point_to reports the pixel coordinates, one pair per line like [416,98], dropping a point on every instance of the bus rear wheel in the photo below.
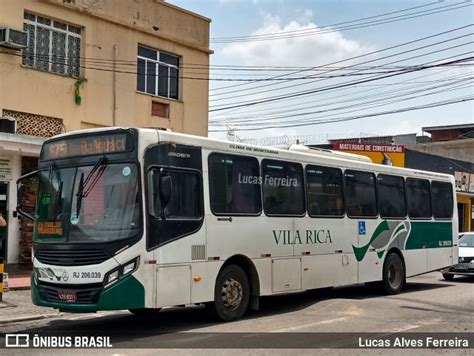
[448,277]
[393,274]
[231,294]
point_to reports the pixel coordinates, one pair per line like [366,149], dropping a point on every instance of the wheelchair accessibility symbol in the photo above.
[361,227]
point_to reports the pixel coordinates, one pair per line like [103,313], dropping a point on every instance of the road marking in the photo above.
[405,328]
[322,322]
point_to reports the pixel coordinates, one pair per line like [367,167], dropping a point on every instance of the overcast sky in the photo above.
[299,22]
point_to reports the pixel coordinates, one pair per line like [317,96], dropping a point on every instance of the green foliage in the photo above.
[77,85]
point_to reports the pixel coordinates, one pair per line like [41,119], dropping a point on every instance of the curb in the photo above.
[27,318]
[18,288]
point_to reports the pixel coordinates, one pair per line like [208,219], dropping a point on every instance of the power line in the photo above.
[46,59]
[273,116]
[372,88]
[365,105]
[333,28]
[342,61]
[302,93]
[332,25]
[389,112]
[291,108]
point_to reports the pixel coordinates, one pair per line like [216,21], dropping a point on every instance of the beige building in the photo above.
[95,63]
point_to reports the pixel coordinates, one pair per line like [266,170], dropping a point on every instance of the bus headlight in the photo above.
[112,278]
[129,267]
[122,271]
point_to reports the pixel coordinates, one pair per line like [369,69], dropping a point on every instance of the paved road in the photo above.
[429,304]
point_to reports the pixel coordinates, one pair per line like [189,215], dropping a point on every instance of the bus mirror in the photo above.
[26,193]
[165,190]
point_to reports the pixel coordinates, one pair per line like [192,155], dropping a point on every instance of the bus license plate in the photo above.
[67,296]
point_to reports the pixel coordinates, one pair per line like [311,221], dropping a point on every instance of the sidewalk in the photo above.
[18,276]
[17,307]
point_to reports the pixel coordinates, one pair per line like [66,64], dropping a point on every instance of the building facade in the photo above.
[96,63]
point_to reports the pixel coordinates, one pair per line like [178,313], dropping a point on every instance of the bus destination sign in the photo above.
[85,146]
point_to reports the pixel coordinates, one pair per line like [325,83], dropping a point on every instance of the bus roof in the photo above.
[330,157]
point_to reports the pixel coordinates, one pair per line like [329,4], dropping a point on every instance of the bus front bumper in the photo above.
[127,293]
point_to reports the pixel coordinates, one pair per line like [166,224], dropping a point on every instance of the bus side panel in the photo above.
[330,270]
[370,269]
[264,271]
[416,261]
[203,279]
[439,258]
[171,259]
[326,244]
[174,285]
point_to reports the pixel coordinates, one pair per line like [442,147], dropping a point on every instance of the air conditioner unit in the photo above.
[11,38]
[7,124]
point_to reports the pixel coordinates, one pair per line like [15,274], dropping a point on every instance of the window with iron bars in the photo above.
[53,46]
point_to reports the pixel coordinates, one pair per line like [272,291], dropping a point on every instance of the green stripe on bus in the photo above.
[422,234]
[360,252]
[429,234]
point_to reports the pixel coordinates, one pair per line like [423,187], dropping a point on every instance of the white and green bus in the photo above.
[142,219]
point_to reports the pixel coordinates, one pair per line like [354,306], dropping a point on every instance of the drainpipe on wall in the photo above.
[114,88]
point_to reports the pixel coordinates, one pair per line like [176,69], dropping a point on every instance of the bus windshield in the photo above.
[96,203]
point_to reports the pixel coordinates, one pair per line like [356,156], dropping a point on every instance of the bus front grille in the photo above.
[71,257]
[85,293]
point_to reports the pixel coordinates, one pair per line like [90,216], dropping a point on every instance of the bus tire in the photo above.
[231,294]
[145,311]
[448,277]
[393,274]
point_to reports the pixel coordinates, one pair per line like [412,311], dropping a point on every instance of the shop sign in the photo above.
[5,168]
[391,155]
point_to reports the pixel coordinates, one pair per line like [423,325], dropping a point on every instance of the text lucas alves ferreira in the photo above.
[413,342]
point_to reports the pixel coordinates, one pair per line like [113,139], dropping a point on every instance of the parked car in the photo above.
[466,258]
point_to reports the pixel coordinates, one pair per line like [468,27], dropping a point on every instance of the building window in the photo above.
[157,73]
[52,45]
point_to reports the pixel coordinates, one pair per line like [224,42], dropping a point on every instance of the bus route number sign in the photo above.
[85,146]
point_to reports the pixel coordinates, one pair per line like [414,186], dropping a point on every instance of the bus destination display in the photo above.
[85,146]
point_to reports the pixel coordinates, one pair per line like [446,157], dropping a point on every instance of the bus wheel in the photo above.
[145,311]
[393,274]
[231,294]
[448,277]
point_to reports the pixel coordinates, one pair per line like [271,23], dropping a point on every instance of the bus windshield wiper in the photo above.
[86,185]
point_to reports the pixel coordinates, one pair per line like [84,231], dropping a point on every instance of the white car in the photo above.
[466,258]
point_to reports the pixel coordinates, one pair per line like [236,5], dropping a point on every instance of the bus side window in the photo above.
[418,198]
[283,188]
[442,200]
[324,191]
[360,194]
[234,184]
[391,196]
